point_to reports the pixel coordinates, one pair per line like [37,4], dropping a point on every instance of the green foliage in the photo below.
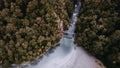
[98,30]
[28,28]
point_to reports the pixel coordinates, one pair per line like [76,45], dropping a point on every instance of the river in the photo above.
[66,54]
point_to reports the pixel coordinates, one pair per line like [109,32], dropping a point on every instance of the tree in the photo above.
[98,32]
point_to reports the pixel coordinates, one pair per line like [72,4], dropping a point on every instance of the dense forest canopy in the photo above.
[29,27]
[98,30]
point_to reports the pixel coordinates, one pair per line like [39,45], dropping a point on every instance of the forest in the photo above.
[29,27]
[98,30]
